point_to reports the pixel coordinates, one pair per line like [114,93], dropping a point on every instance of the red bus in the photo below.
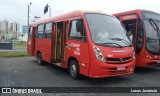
[146,35]
[88,43]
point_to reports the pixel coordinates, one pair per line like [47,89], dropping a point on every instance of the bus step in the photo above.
[57,64]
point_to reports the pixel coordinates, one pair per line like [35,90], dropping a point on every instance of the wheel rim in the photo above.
[73,70]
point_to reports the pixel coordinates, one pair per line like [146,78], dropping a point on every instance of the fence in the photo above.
[14,45]
[6,45]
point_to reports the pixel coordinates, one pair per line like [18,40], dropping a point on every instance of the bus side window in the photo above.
[140,36]
[74,34]
[40,31]
[30,32]
[48,30]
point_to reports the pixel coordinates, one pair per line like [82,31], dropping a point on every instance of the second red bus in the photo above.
[145,26]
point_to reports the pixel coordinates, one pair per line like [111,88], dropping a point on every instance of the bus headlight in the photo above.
[133,56]
[99,54]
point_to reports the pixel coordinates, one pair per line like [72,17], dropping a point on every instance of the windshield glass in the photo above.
[107,30]
[152,35]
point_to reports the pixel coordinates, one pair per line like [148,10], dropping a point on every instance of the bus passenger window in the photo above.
[74,34]
[30,32]
[40,31]
[48,30]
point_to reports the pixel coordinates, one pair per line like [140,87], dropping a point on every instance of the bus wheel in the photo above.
[74,69]
[39,59]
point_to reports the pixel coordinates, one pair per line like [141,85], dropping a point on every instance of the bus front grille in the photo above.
[118,60]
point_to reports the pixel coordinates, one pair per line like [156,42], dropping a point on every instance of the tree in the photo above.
[22,35]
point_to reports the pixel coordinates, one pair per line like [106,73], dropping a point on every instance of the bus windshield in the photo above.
[107,30]
[152,35]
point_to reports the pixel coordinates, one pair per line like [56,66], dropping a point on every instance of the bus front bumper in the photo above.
[145,62]
[103,69]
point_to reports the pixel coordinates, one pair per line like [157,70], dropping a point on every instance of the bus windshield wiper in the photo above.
[154,24]
[151,38]
[120,39]
[111,43]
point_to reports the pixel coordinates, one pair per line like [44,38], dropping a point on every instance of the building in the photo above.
[14,26]
[24,29]
[5,26]
[0,27]
[8,30]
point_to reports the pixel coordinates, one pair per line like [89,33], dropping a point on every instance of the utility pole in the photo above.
[28,15]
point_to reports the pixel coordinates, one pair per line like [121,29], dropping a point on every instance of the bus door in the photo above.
[77,45]
[58,42]
[31,41]
[130,23]
[65,31]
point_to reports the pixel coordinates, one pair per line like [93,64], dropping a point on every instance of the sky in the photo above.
[16,10]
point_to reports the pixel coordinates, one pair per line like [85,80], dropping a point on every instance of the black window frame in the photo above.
[138,49]
[78,38]
[37,35]
[45,31]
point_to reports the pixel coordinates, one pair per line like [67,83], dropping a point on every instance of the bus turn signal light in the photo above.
[152,56]
[148,56]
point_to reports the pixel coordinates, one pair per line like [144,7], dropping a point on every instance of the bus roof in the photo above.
[132,12]
[64,16]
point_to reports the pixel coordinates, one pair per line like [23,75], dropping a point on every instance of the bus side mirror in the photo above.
[79,25]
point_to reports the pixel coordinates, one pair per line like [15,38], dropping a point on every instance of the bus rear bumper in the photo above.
[102,69]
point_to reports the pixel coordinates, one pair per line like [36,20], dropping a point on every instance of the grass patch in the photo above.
[21,44]
[13,54]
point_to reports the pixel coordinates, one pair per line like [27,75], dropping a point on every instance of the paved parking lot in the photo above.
[25,72]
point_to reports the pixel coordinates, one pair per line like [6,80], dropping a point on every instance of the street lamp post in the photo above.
[28,15]
[49,11]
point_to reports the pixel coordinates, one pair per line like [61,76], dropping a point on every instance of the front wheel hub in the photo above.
[73,70]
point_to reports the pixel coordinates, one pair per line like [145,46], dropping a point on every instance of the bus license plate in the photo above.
[120,68]
[158,61]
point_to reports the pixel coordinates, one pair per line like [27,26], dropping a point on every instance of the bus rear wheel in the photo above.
[74,69]
[39,59]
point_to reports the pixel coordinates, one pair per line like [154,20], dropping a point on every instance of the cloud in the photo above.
[17,9]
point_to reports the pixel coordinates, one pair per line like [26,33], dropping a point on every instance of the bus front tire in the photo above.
[74,69]
[39,59]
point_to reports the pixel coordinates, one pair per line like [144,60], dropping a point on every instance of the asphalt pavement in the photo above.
[25,72]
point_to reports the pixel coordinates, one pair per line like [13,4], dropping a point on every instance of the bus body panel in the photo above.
[145,61]
[79,50]
[31,42]
[29,48]
[110,66]
[44,47]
